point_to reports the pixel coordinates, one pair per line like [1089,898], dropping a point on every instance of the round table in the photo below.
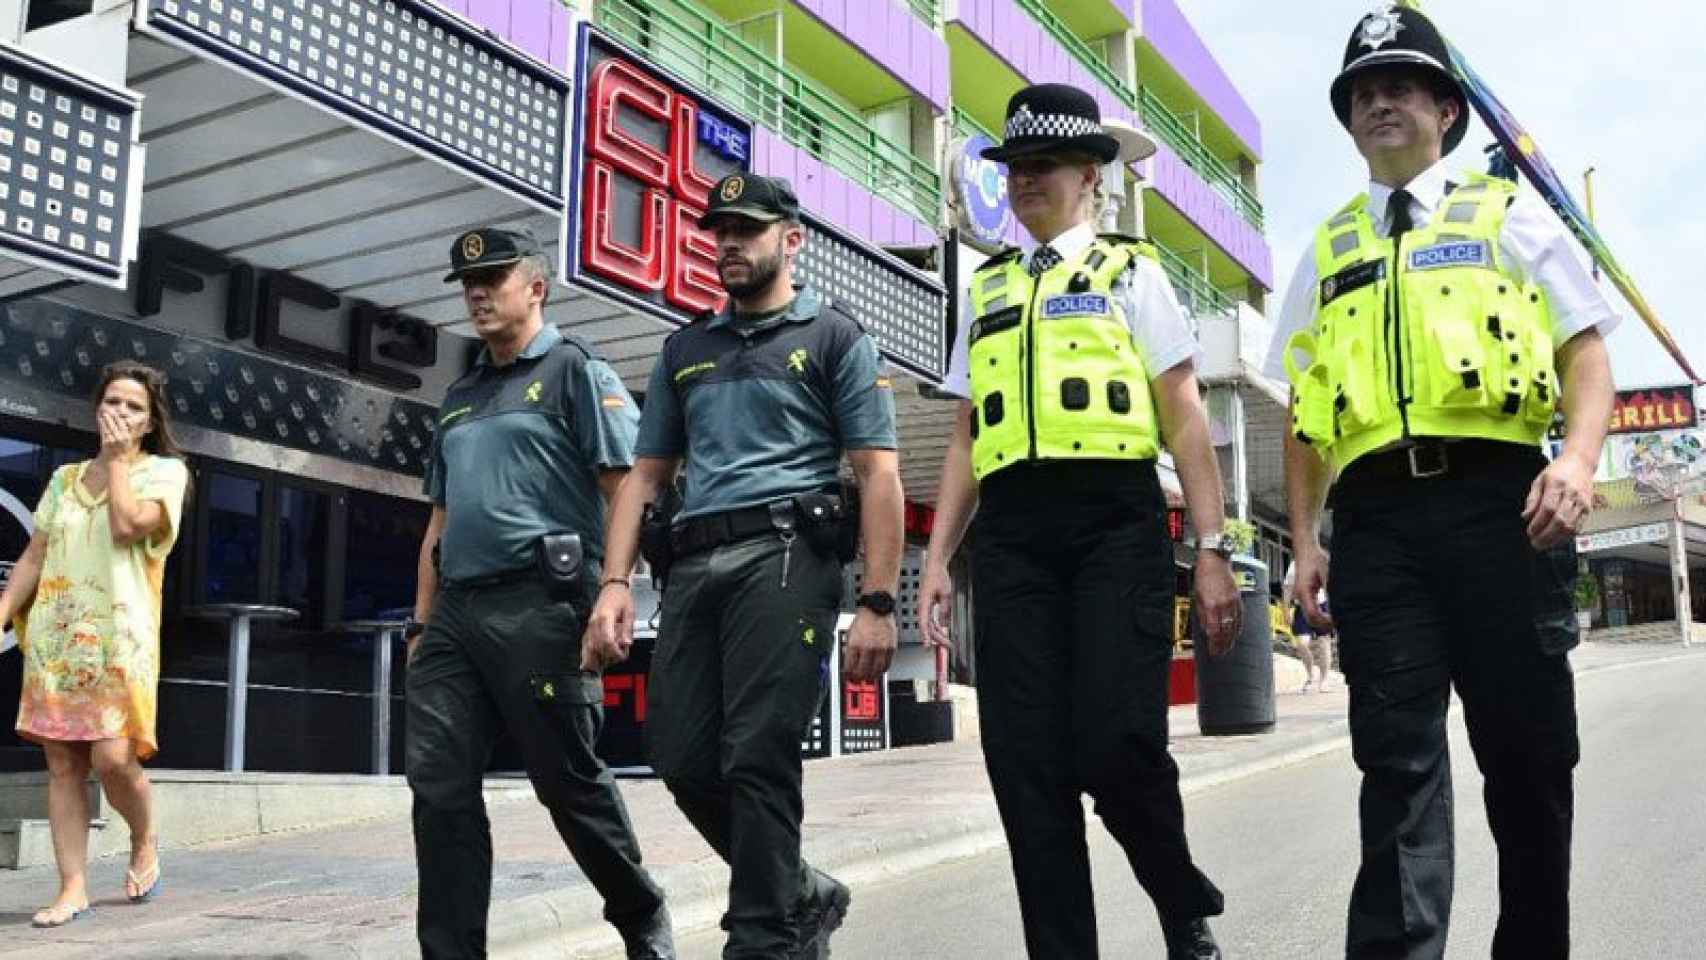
[238,617]
[387,633]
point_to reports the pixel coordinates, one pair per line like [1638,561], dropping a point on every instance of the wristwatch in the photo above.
[879,602]
[413,628]
[1215,543]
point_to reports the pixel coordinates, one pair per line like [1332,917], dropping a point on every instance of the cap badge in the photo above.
[1380,27]
[473,245]
[732,189]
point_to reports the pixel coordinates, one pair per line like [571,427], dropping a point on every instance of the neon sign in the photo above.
[649,153]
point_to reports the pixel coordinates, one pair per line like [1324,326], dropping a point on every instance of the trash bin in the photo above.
[1235,692]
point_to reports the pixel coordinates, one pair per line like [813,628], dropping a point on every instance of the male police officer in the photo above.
[1076,361]
[1428,334]
[526,443]
[762,400]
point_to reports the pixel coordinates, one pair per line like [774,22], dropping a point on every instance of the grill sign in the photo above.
[1653,409]
[649,154]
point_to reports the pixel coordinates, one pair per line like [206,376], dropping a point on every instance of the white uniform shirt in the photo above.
[1158,325]
[1532,242]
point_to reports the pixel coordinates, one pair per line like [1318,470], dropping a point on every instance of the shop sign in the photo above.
[980,193]
[647,153]
[254,306]
[1623,537]
[1653,409]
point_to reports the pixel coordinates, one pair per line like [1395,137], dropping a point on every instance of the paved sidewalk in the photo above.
[350,891]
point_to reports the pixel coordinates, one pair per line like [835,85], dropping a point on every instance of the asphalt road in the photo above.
[1282,845]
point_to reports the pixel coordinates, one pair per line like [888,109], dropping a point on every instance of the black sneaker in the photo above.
[652,939]
[820,917]
[1190,940]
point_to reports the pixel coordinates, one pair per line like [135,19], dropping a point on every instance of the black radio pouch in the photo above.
[828,524]
[562,564]
[655,545]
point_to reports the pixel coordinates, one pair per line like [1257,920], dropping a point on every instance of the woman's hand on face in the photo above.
[116,438]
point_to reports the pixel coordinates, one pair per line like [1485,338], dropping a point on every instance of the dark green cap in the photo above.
[751,195]
[489,247]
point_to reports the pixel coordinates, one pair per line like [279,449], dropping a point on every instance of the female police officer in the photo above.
[1077,362]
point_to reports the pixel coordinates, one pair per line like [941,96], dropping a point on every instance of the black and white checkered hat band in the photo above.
[1055,126]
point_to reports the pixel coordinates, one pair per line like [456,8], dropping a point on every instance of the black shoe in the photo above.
[819,917]
[651,939]
[1190,940]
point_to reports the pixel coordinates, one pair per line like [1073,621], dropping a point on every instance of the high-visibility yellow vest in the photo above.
[1431,336]
[1055,372]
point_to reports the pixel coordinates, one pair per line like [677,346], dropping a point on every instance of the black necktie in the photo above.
[1398,214]
[1042,259]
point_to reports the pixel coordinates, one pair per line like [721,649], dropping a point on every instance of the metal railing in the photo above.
[1196,293]
[682,38]
[966,126]
[1190,148]
[1080,51]
[928,11]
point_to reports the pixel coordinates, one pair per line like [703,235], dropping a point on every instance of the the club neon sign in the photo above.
[671,264]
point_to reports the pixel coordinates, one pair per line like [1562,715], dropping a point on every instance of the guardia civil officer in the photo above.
[761,400]
[1430,331]
[529,444]
[1077,361]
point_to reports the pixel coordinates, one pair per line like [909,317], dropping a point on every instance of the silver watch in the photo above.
[1215,543]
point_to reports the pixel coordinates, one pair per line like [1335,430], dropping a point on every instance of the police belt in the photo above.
[708,532]
[488,580]
[1431,459]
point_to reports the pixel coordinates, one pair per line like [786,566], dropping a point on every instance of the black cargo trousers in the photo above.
[503,656]
[740,670]
[1433,585]
[1073,574]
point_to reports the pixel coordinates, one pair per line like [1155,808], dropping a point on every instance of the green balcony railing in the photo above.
[1197,295]
[966,126]
[1080,51]
[1185,142]
[681,37]
[928,11]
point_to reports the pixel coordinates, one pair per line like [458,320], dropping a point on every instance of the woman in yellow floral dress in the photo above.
[85,599]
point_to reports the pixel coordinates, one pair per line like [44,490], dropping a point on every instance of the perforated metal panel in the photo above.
[904,309]
[59,349]
[407,68]
[67,149]
[905,599]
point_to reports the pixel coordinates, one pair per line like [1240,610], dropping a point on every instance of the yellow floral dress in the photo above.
[91,637]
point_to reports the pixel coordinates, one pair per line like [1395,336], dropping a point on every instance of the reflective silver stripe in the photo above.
[1443,237]
[1461,212]
[1480,186]
[996,304]
[1342,221]
[1345,242]
[994,283]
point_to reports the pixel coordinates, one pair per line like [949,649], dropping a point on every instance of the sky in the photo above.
[1620,87]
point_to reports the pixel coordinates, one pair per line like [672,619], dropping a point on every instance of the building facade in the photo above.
[274,187]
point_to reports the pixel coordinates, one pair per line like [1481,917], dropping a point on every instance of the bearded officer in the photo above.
[761,401]
[1076,361]
[1429,332]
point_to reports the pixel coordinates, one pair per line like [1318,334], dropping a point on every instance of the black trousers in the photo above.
[1435,585]
[741,666]
[1073,575]
[508,658]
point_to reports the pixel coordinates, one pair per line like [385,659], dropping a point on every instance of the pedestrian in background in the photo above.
[1314,645]
[529,445]
[85,600]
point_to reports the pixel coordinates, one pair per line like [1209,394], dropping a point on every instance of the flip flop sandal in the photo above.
[153,886]
[59,916]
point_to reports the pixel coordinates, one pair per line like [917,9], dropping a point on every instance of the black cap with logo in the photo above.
[490,247]
[1398,36]
[753,196]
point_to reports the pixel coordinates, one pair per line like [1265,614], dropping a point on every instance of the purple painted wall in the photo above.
[1167,30]
[1200,203]
[895,39]
[1011,34]
[827,193]
[538,27]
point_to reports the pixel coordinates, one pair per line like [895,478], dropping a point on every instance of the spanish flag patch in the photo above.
[614,403]
[883,383]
